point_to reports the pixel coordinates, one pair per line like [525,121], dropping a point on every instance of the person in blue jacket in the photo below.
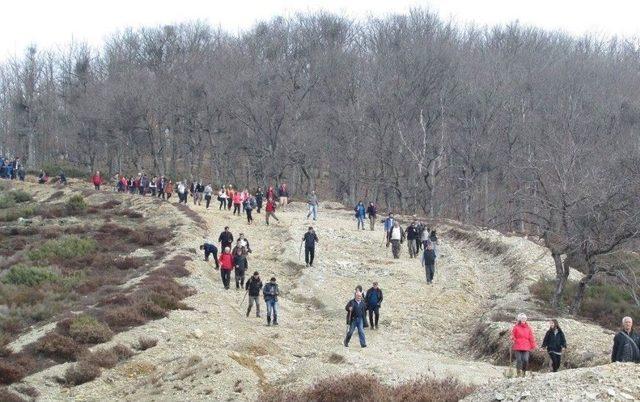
[361,213]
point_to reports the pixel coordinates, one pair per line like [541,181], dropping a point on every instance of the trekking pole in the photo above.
[348,322]
[243,297]
[300,250]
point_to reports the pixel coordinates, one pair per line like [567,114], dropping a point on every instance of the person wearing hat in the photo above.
[270,293]
[523,343]
[226,266]
[374,300]
[310,239]
[253,286]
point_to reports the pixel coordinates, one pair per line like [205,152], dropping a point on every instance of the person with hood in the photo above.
[356,315]
[429,262]
[374,301]
[226,266]
[96,179]
[270,211]
[360,214]
[225,238]
[253,287]
[283,193]
[626,343]
[412,234]
[555,343]
[395,236]
[270,293]
[312,202]
[259,198]
[523,343]
[168,189]
[310,239]
[210,249]
[240,267]
[372,211]
[208,192]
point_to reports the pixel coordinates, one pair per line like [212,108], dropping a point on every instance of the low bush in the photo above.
[124,317]
[7,201]
[76,205]
[122,351]
[63,249]
[145,342]
[86,329]
[20,196]
[128,263]
[151,310]
[81,372]
[10,372]
[29,276]
[366,387]
[59,347]
[148,236]
[10,396]
[105,358]
[13,214]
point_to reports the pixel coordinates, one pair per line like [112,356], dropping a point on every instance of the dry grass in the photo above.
[145,342]
[81,373]
[59,347]
[105,358]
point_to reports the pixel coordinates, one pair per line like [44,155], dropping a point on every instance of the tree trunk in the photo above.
[562,273]
[582,287]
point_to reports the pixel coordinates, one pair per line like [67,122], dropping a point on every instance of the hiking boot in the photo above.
[248,311]
[257,315]
[345,343]
[306,264]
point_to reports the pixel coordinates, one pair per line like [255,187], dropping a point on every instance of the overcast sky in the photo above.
[50,23]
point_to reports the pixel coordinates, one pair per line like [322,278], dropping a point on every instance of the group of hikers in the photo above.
[12,168]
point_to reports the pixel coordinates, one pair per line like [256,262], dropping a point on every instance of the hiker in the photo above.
[230,194]
[283,193]
[412,237]
[626,343]
[144,184]
[243,244]
[249,205]
[271,193]
[96,179]
[271,293]
[210,249]
[253,286]
[388,223]
[433,238]
[208,192]
[199,193]
[182,193]
[356,315]
[225,238]
[62,179]
[312,201]
[259,195]
[374,300]
[395,236]
[361,212]
[43,178]
[153,186]
[555,343]
[523,343]
[240,267]
[160,185]
[310,239]
[226,266]
[419,234]
[222,198]
[429,262]
[270,210]
[168,189]
[237,201]
[372,211]
[424,237]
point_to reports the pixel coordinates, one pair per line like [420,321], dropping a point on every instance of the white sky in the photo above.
[51,23]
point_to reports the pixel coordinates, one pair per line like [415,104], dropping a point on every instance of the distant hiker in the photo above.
[222,198]
[230,194]
[374,300]
[372,211]
[433,238]
[555,343]
[271,193]
[242,244]
[237,202]
[312,202]
[43,178]
[210,249]
[153,187]
[360,212]
[412,238]
[626,343]
[226,266]
[270,210]
[270,293]
[62,179]
[424,237]
[259,198]
[160,186]
[168,189]
[395,236]
[249,205]
[388,223]
[523,343]
[240,267]
[199,193]
[420,228]
[225,238]
[253,286]
[356,315]
[429,262]
[310,239]
[208,192]
[96,179]
[283,193]
[182,192]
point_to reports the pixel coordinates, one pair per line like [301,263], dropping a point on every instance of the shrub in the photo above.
[7,201]
[29,276]
[10,396]
[81,372]
[123,352]
[86,329]
[105,358]
[127,263]
[148,236]
[151,310]
[145,342]
[14,214]
[124,317]
[58,347]
[76,205]
[63,249]
[10,372]
[20,196]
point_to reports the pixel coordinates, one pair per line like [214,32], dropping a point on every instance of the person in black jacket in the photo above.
[253,286]
[310,239]
[412,239]
[226,238]
[374,300]
[259,197]
[372,211]
[356,315]
[240,266]
[429,262]
[210,249]
[626,343]
[555,343]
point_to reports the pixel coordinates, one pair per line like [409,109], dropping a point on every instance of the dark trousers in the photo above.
[226,277]
[229,203]
[374,312]
[168,196]
[259,206]
[239,277]
[236,208]
[97,186]
[223,203]
[555,361]
[208,200]
[215,256]
[309,253]
[429,271]
[249,217]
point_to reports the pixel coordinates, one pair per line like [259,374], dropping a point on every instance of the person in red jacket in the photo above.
[237,202]
[96,179]
[270,210]
[226,266]
[523,342]
[271,193]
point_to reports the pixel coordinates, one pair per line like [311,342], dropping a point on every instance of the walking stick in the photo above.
[243,297]
[300,250]
[348,323]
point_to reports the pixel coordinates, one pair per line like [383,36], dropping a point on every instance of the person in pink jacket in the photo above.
[523,342]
